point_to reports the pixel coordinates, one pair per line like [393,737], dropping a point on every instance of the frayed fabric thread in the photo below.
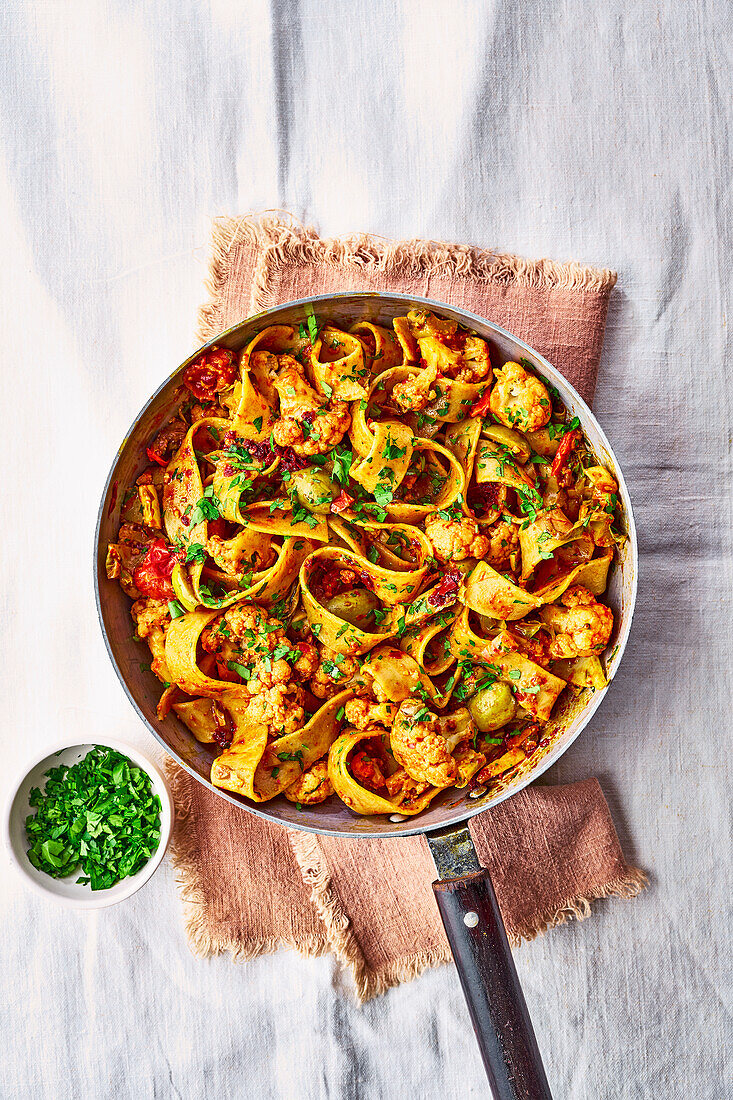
[279,239]
[185,856]
[579,908]
[340,938]
[344,944]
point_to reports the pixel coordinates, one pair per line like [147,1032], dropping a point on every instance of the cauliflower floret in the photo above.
[503,542]
[268,674]
[313,785]
[519,399]
[416,392]
[245,635]
[454,352]
[152,620]
[306,423]
[581,625]
[150,615]
[234,558]
[280,708]
[307,664]
[418,746]
[333,673]
[362,713]
[476,364]
[403,788]
[455,539]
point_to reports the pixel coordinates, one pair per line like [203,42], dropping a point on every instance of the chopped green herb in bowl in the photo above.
[89,824]
[101,816]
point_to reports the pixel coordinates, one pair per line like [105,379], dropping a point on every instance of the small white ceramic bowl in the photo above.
[65,890]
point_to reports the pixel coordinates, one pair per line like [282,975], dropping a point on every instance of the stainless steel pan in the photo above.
[464,892]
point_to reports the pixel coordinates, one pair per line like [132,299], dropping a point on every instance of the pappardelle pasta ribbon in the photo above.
[368,560]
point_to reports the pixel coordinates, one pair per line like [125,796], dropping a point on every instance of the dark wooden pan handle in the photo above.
[495,1000]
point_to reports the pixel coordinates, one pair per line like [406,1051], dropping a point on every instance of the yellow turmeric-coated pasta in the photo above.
[368,563]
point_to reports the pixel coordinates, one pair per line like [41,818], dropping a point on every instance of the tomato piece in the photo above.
[332,580]
[482,499]
[342,502]
[155,457]
[226,673]
[213,371]
[445,591]
[366,770]
[562,454]
[481,407]
[152,577]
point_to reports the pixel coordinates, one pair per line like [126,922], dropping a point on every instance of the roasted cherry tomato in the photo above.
[211,373]
[366,770]
[152,577]
[562,454]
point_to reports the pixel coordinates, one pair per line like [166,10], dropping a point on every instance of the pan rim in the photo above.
[482,804]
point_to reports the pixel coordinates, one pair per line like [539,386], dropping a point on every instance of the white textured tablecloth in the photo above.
[600,132]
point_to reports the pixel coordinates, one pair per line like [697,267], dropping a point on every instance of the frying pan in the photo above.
[463,891]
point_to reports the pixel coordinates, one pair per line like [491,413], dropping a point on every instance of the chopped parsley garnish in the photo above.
[383,495]
[241,670]
[342,459]
[100,816]
[297,755]
[207,508]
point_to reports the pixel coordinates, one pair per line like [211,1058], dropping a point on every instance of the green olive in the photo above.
[492,707]
[355,607]
[513,441]
[315,489]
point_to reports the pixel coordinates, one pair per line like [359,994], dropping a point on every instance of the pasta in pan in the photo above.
[368,563]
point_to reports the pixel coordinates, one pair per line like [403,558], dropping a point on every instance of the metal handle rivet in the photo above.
[471,919]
